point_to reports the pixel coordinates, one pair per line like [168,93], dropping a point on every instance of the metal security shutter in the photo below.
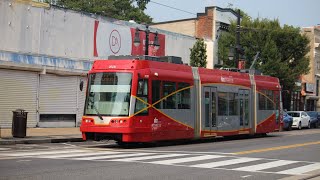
[18,90]
[58,100]
[81,99]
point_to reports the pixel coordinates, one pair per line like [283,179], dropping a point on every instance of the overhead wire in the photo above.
[173,8]
[210,18]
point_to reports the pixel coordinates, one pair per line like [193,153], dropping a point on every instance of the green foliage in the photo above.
[118,9]
[198,57]
[283,49]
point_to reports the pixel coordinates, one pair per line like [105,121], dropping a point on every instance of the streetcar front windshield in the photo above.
[108,94]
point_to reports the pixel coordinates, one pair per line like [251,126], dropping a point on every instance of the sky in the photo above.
[298,13]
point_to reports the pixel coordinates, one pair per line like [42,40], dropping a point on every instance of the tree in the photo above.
[283,50]
[198,57]
[118,9]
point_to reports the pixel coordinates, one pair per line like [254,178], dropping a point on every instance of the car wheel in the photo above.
[299,126]
[289,128]
[309,125]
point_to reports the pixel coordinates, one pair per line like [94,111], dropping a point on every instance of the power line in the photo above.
[173,8]
[210,18]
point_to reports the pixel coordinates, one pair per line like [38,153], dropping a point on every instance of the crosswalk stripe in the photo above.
[225,163]
[42,153]
[112,156]
[263,166]
[170,159]
[82,154]
[149,157]
[301,170]
[188,159]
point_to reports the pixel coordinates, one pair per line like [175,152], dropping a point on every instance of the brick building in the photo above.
[206,25]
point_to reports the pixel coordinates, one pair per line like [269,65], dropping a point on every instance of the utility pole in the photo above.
[238,46]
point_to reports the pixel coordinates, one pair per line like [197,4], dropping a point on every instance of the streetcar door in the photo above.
[244,108]
[209,122]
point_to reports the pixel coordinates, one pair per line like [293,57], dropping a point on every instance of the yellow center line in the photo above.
[277,148]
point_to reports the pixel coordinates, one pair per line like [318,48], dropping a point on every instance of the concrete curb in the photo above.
[39,140]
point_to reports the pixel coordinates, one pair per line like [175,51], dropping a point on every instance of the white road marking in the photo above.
[188,159]
[149,157]
[2,149]
[111,156]
[81,154]
[172,158]
[263,166]
[246,176]
[41,153]
[188,152]
[225,163]
[301,170]
[25,160]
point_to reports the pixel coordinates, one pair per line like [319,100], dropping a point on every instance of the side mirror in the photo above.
[81,86]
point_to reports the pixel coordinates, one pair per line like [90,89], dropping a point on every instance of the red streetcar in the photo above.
[134,100]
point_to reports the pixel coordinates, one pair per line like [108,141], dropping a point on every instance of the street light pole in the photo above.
[238,46]
[147,32]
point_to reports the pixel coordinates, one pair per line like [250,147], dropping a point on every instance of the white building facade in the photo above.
[45,52]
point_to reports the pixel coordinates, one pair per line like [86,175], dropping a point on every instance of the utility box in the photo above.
[19,123]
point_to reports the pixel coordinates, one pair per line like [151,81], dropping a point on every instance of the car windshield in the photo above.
[108,94]
[313,114]
[294,114]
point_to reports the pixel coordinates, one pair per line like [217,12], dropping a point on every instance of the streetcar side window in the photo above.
[233,104]
[170,99]
[270,100]
[266,100]
[142,97]
[156,93]
[183,97]
[262,101]
[222,103]
[227,104]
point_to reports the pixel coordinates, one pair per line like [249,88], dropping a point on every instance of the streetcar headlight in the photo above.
[87,121]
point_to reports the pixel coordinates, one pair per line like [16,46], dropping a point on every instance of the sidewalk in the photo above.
[42,135]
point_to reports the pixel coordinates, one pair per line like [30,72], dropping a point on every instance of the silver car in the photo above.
[300,119]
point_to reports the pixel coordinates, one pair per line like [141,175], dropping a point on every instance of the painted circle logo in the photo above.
[115,41]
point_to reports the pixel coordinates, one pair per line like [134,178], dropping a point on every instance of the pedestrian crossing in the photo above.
[185,159]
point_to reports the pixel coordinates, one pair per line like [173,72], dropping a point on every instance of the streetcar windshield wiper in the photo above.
[94,106]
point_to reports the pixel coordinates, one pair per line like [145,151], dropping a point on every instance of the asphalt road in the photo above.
[282,155]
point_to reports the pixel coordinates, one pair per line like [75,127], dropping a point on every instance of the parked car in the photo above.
[300,119]
[314,118]
[287,121]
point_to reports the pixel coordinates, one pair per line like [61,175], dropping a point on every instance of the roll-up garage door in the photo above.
[18,90]
[58,100]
